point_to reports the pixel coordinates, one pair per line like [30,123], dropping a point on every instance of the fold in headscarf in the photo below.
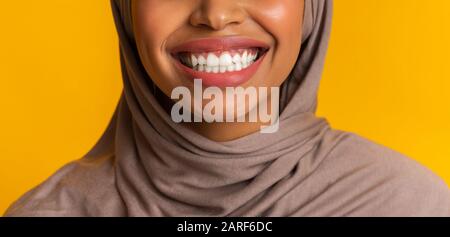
[147,165]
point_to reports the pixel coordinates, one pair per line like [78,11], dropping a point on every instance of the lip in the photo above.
[227,79]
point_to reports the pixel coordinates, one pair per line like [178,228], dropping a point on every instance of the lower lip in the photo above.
[222,80]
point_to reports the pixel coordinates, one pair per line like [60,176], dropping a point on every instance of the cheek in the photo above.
[149,38]
[283,19]
[156,20]
[154,23]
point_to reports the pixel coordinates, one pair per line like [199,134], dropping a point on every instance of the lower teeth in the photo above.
[222,69]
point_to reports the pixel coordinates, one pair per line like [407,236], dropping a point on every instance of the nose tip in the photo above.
[217,14]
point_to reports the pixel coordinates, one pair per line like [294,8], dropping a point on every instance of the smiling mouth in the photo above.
[221,62]
[234,60]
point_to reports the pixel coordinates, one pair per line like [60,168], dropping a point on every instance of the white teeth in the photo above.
[250,58]
[238,67]
[212,60]
[201,60]
[244,57]
[226,62]
[237,58]
[194,61]
[226,59]
[223,69]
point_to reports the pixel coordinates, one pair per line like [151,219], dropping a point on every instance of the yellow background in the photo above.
[386,78]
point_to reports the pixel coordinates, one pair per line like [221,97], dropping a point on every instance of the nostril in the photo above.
[205,26]
[217,16]
[218,23]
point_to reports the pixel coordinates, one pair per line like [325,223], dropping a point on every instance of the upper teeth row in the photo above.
[224,60]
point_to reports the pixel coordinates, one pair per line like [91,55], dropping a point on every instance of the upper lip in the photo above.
[218,44]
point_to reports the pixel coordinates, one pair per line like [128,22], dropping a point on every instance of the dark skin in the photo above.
[161,24]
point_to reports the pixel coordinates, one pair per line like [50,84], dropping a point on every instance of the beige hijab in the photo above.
[147,165]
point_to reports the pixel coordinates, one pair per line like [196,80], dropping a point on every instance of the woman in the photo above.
[146,164]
